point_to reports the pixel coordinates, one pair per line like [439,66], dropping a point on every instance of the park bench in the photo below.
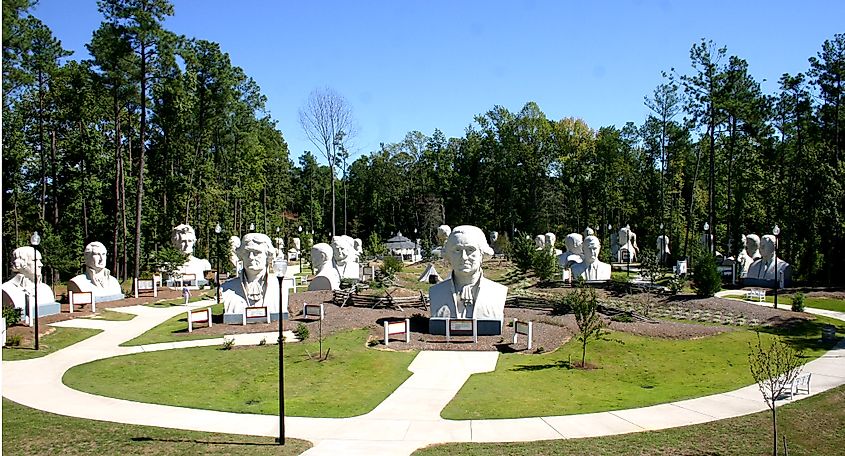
[799,385]
[755,294]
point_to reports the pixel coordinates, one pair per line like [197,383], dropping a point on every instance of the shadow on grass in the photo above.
[560,364]
[802,334]
[201,442]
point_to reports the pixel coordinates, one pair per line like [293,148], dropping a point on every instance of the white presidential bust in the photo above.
[467,293]
[97,278]
[183,238]
[442,234]
[591,269]
[326,276]
[540,241]
[346,257]
[549,240]
[749,253]
[26,264]
[628,248]
[234,243]
[574,251]
[768,267]
[253,286]
[359,247]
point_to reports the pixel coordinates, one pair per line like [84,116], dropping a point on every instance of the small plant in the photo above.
[263,341]
[676,283]
[591,326]
[622,318]
[798,302]
[13,341]
[522,251]
[706,280]
[545,265]
[228,343]
[11,314]
[301,332]
[540,350]
[391,266]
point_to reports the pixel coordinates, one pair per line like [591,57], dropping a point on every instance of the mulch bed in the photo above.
[550,331]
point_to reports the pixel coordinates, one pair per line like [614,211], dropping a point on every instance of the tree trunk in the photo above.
[43,202]
[118,164]
[54,176]
[774,428]
[139,196]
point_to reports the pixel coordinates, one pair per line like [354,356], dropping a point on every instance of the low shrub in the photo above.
[11,314]
[706,280]
[798,302]
[228,343]
[676,283]
[545,265]
[301,332]
[522,252]
[13,341]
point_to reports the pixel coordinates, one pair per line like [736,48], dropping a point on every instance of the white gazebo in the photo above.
[403,248]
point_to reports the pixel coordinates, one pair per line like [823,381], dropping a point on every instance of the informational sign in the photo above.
[256,312]
[81,298]
[392,328]
[461,327]
[523,328]
[199,316]
[143,285]
[314,310]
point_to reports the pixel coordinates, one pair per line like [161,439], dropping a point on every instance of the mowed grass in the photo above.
[836,305]
[28,431]
[812,426]
[111,315]
[174,329]
[245,379]
[631,371]
[57,340]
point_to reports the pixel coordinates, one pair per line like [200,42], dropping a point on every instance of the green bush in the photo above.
[798,302]
[545,265]
[301,332]
[391,266]
[706,280]
[228,343]
[11,314]
[13,341]
[676,283]
[522,251]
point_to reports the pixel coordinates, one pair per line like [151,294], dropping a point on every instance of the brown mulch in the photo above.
[550,331]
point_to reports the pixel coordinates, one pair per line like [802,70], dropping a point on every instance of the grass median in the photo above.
[352,381]
[630,371]
[28,431]
[173,330]
[49,343]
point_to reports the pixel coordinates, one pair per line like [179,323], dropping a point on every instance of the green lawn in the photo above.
[812,426]
[57,340]
[180,301]
[32,432]
[245,379]
[172,330]
[837,305]
[633,371]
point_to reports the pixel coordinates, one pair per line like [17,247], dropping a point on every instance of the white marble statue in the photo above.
[443,232]
[97,278]
[749,253]
[234,243]
[550,239]
[574,251]
[589,232]
[540,241]
[26,264]
[764,268]
[614,245]
[346,257]
[467,293]
[359,247]
[255,286]
[183,238]
[297,243]
[591,269]
[627,245]
[326,276]
[662,248]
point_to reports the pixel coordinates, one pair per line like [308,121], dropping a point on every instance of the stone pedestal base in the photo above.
[485,327]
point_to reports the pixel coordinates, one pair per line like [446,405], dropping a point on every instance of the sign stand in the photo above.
[397,327]
[525,328]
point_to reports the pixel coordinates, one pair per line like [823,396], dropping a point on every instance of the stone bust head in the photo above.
[550,239]
[443,232]
[540,241]
[95,257]
[344,250]
[591,247]
[321,255]
[183,238]
[26,261]
[624,235]
[767,247]
[752,244]
[465,248]
[257,254]
[574,243]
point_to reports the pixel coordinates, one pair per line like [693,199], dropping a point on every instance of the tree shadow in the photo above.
[201,442]
[560,364]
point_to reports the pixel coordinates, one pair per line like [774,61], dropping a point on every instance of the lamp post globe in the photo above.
[776,232]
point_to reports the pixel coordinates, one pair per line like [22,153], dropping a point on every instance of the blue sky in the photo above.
[421,65]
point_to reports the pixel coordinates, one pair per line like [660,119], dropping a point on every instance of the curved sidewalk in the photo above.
[408,419]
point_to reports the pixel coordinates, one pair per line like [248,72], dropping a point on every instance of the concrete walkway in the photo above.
[408,419]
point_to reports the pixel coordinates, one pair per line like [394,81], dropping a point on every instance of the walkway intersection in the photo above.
[408,419]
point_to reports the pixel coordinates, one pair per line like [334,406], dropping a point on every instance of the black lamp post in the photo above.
[34,241]
[707,239]
[280,266]
[217,230]
[299,253]
[776,232]
[609,241]
[662,245]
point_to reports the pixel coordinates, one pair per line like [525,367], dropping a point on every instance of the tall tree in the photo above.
[328,123]
[139,23]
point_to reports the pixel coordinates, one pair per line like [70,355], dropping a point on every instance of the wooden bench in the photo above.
[755,294]
[799,385]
